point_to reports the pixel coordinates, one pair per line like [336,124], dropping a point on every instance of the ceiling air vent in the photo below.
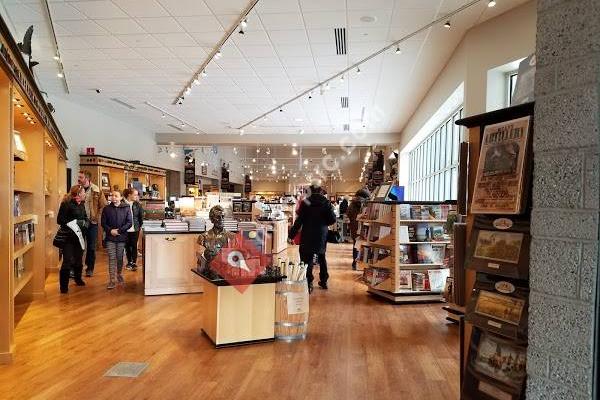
[344,101]
[175,127]
[346,127]
[121,102]
[340,40]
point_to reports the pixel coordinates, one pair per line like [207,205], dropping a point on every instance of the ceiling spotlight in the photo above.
[398,51]
[342,78]
[188,90]
[281,110]
[98,91]
[491,3]
[294,152]
[257,150]
[197,132]
[254,160]
[172,154]
[241,31]
[357,70]
[196,81]
[301,131]
[244,23]
[163,116]
[56,57]
[182,125]
[32,122]
[447,24]
[274,161]
[310,95]
[60,75]
[203,73]
[268,151]
[305,162]
[218,54]
[327,87]
[241,131]
[180,101]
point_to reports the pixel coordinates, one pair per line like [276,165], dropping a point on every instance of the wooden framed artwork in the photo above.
[105,181]
[500,305]
[500,246]
[500,180]
[496,368]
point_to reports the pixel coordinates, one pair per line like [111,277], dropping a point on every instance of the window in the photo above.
[511,82]
[433,164]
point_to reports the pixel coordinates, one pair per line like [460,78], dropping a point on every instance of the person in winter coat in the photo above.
[354,210]
[314,217]
[116,220]
[344,206]
[137,212]
[72,208]
[94,203]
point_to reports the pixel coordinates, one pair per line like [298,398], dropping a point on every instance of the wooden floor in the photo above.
[358,347]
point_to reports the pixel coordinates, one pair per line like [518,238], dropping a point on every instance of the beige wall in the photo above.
[508,37]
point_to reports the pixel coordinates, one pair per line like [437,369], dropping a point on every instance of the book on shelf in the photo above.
[24,234]
[437,279]
[430,253]
[380,255]
[420,281]
[237,206]
[247,206]
[19,267]
[405,254]
[404,211]
[403,235]
[17,205]
[404,280]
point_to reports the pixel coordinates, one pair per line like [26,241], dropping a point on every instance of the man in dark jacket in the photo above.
[116,220]
[354,210]
[344,206]
[314,217]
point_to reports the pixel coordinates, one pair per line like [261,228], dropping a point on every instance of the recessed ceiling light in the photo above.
[491,3]
[368,18]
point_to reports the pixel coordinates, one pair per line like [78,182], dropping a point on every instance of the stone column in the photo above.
[564,225]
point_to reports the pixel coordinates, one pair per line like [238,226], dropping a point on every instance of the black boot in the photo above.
[64,275]
[323,285]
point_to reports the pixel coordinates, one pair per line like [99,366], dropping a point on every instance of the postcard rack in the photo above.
[404,250]
[498,204]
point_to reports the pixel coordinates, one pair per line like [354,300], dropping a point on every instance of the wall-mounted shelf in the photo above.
[23,218]
[23,250]
[21,282]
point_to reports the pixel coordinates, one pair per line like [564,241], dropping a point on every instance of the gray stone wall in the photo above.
[564,252]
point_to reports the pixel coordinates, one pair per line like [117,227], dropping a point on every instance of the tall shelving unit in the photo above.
[393,276]
[32,179]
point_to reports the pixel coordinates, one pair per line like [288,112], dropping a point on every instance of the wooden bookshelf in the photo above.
[22,179]
[383,275]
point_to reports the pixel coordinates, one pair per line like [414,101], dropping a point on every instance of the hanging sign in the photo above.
[189,167]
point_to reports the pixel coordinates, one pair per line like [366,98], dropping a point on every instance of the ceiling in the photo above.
[145,51]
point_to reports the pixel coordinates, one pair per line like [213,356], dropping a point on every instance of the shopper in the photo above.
[314,217]
[116,220]
[344,206]
[94,203]
[72,209]
[137,213]
[354,210]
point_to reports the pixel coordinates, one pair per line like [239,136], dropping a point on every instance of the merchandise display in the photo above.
[497,258]
[34,159]
[403,250]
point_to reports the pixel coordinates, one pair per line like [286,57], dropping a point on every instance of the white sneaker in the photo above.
[111,285]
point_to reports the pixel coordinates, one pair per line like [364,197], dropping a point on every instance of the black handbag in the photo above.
[61,237]
[333,237]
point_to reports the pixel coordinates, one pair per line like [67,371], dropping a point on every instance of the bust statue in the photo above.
[215,239]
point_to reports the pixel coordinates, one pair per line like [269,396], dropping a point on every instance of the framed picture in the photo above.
[105,181]
[500,307]
[496,368]
[501,172]
[500,246]
[500,360]
[237,206]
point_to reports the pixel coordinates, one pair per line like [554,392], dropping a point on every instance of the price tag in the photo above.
[494,324]
[493,266]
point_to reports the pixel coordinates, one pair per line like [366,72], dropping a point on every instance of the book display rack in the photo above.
[32,182]
[494,349]
[404,250]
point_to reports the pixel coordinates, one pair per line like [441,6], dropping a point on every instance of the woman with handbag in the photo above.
[73,223]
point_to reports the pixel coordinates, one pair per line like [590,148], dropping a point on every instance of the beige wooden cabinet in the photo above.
[168,259]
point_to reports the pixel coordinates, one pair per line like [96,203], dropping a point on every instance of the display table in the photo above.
[277,233]
[231,317]
[167,260]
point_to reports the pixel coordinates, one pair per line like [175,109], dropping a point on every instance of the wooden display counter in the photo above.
[167,260]
[231,317]
[277,233]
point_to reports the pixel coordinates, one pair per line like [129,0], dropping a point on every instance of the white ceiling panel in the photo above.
[84,27]
[282,37]
[99,9]
[226,7]
[142,8]
[136,41]
[277,6]
[121,26]
[322,5]
[283,21]
[382,18]
[65,11]
[185,7]
[372,4]
[298,50]
[202,23]
[322,20]
[207,39]
[104,42]
[72,43]
[160,25]
[258,51]
[175,39]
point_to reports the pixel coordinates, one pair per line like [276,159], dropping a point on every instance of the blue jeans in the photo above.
[91,238]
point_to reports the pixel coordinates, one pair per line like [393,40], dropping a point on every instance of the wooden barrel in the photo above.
[291,310]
